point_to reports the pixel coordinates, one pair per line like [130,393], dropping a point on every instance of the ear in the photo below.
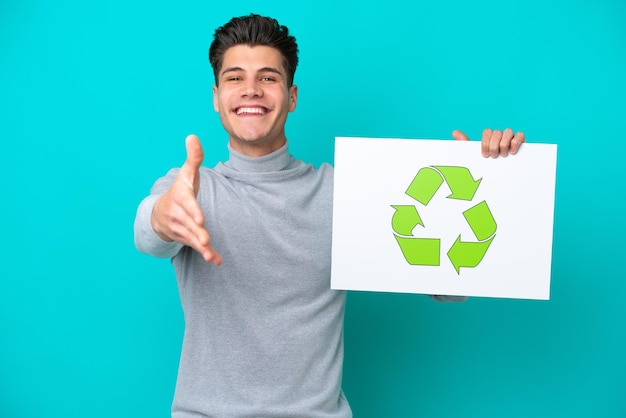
[216,105]
[293,97]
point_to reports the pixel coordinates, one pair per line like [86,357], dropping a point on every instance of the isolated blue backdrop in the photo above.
[97,97]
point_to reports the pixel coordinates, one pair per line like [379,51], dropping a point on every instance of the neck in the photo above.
[256,149]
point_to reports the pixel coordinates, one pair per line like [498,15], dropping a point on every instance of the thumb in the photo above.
[189,171]
[459,136]
[195,155]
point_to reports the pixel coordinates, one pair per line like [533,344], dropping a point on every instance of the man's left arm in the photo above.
[494,144]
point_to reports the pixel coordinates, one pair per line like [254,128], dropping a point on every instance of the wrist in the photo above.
[154,224]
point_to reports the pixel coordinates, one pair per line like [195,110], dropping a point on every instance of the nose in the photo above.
[251,88]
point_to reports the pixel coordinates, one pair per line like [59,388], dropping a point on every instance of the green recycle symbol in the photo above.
[426,251]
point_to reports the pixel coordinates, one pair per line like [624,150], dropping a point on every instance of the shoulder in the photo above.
[327,168]
[324,170]
[322,175]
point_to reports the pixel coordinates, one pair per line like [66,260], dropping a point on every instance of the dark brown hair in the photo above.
[254,30]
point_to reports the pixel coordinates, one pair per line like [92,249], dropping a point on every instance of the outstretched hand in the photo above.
[176,215]
[496,143]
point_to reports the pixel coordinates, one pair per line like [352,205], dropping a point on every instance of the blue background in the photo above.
[97,97]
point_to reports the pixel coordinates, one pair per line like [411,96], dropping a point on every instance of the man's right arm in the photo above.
[165,222]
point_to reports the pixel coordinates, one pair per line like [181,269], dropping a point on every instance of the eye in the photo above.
[268,79]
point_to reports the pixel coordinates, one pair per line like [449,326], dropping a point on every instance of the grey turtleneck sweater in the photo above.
[263,331]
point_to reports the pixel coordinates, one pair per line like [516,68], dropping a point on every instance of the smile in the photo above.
[251,110]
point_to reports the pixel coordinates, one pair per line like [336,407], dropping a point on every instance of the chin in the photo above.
[251,137]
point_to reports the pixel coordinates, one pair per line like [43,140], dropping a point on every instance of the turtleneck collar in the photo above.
[278,160]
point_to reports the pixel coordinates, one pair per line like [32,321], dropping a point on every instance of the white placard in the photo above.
[435,217]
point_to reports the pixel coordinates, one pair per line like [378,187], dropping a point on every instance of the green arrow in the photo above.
[461,182]
[405,219]
[420,251]
[481,221]
[424,185]
[467,254]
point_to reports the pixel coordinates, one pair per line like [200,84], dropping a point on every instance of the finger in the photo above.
[211,255]
[201,242]
[517,142]
[187,201]
[177,225]
[208,253]
[494,143]
[459,136]
[505,142]
[184,230]
[195,235]
[484,142]
[181,195]
[195,232]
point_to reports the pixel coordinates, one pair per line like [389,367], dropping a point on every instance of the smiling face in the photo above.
[253,99]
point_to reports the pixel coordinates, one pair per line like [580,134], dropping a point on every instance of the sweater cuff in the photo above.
[146,239]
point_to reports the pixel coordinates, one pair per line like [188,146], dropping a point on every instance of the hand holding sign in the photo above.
[496,143]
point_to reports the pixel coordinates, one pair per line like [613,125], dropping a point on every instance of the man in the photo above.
[250,241]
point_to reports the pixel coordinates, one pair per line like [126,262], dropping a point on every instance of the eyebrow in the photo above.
[261,70]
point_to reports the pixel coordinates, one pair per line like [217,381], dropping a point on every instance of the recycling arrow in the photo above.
[460,181]
[424,185]
[405,219]
[481,221]
[467,254]
[482,224]
[428,179]
[420,251]
[417,251]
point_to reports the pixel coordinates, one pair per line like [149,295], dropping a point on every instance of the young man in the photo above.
[250,241]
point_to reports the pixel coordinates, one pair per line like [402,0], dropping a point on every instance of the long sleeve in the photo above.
[146,240]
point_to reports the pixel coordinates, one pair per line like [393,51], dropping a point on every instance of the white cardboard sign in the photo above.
[435,217]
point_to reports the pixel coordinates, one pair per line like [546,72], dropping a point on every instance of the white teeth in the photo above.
[257,110]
